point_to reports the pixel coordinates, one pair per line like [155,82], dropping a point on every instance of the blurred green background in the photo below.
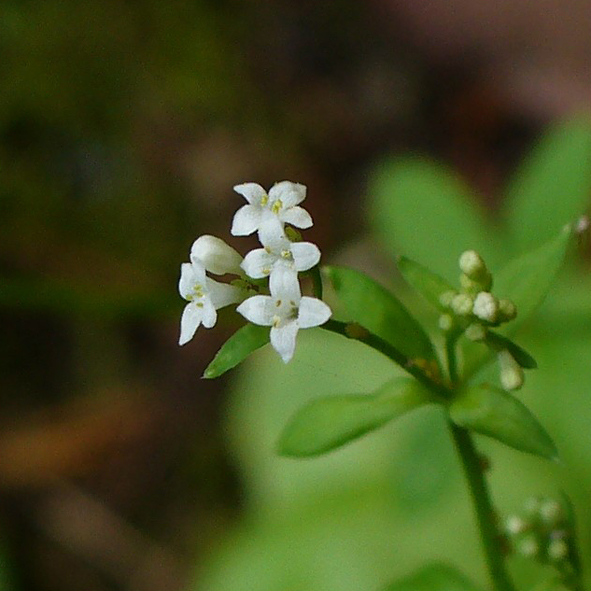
[123,127]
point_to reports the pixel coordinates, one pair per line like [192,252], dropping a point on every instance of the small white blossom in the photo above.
[471,264]
[205,296]
[268,212]
[278,254]
[216,256]
[285,311]
[511,372]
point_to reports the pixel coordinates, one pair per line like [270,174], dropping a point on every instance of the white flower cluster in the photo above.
[280,259]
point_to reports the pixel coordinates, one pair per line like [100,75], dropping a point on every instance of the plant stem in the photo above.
[484,510]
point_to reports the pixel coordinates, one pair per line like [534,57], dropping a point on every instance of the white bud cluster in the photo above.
[541,532]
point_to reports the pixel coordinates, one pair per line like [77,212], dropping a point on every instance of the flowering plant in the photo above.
[477,318]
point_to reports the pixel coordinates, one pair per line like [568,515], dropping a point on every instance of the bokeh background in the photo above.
[123,127]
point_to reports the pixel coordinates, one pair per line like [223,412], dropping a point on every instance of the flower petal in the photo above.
[305,255]
[258,309]
[283,340]
[290,193]
[190,321]
[215,255]
[296,216]
[187,280]
[284,284]
[258,263]
[222,294]
[313,312]
[246,220]
[270,228]
[208,314]
[252,192]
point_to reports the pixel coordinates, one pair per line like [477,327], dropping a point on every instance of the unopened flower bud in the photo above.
[511,375]
[551,512]
[486,307]
[216,256]
[462,304]
[528,546]
[507,310]
[557,550]
[446,298]
[471,264]
[515,525]
[476,332]
[446,322]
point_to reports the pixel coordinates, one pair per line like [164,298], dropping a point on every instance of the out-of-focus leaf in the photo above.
[430,285]
[332,421]
[527,279]
[421,209]
[499,342]
[237,348]
[435,577]
[379,311]
[491,411]
[553,186]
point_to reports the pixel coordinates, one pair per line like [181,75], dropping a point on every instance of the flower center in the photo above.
[277,206]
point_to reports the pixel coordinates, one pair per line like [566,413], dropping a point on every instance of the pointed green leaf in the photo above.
[237,348]
[491,411]
[379,311]
[425,211]
[430,285]
[332,421]
[527,279]
[499,343]
[553,186]
[435,577]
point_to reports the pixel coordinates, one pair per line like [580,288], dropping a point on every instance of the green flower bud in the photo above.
[512,377]
[557,550]
[515,525]
[462,304]
[507,310]
[551,512]
[446,298]
[476,332]
[446,322]
[528,546]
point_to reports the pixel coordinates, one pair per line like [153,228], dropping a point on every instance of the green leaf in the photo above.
[553,186]
[379,311]
[332,421]
[423,210]
[499,343]
[430,285]
[527,279]
[237,348]
[435,577]
[491,411]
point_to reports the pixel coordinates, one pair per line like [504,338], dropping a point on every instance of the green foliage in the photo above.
[430,285]
[329,422]
[493,412]
[423,210]
[435,577]
[237,348]
[528,278]
[499,343]
[553,185]
[375,308]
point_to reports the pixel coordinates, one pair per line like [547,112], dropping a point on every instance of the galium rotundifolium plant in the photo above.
[477,317]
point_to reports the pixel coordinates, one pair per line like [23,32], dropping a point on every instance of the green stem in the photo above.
[451,341]
[485,513]
[358,333]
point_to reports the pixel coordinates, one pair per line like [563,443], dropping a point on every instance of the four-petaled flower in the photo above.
[205,296]
[280,254]
[268,212]
[285,311]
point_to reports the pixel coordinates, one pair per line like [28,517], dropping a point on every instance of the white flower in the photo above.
[268,212]
[216,256]
[281,253]
[205,296]
[285,311]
